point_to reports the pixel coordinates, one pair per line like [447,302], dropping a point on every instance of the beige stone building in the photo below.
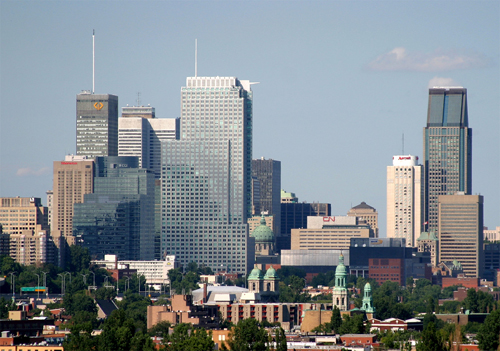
[18,214]
[460,221]
[330,233]
[365,212]
[254,222]
[492,234]
[405,192]
[32,247]
[428,242]
[73,178]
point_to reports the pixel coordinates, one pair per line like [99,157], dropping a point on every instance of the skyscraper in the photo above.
[118,217]
[206,176]
[447,149]
[268,172]
[73,178]
[404,199]
[140,134]
[461,231]
[96,124]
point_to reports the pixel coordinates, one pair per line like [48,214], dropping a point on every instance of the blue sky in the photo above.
[340,82]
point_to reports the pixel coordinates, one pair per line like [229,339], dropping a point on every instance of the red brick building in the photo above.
[382,269]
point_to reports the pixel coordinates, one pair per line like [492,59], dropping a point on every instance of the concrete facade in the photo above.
[364,212]
[405,193]
[461,232]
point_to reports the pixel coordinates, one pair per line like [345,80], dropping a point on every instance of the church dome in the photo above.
[256,274]
[271,274]
[341,269]
[367,287]
[263,234]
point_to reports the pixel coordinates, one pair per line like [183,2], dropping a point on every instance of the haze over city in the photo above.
[340,82]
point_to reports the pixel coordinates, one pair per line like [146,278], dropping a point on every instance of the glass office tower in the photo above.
[447,149]
[96,124]
[206,176]
[118,218]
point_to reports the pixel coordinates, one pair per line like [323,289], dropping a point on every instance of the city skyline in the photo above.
[312,61]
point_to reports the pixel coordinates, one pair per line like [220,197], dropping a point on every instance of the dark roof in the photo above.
[107,306]
[363,205]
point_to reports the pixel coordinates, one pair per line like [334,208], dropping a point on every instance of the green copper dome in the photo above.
[368,287]
[341,270]
[271,274]
[263,234]
[256,274]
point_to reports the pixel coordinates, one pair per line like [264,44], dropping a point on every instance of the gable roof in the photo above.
[106,306]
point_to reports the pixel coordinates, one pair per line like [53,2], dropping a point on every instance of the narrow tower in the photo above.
[340,293]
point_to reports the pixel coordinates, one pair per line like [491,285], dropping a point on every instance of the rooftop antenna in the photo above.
[196,58]
[403,144]
[93,61]
[138,98]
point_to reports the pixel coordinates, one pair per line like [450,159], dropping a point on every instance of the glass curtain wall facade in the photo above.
[206,176]
[96,124]
[268,172]
[118,218]
[447,149]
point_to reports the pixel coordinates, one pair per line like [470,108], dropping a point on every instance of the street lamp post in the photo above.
[68,273]
[84,278]
[63,277]
[13,283]
[128,283]
[94,278]
[38,287]
[45,282]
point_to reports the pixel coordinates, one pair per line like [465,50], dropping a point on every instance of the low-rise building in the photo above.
[155,272]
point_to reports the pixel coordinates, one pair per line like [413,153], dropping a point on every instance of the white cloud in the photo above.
[442,82]
[29,171]
[399,59]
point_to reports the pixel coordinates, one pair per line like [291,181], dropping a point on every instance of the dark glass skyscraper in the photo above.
[96,124]
[206,176]
[447,149]
[118,218]
[268,172]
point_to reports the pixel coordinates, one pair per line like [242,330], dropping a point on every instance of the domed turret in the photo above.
[271,274]
[256,274]
[263,234]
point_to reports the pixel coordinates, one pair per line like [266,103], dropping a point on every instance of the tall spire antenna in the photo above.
[93,61]
[196,58]
[138,98]
[403,144]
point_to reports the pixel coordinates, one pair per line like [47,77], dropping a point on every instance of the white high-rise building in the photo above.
[140,134]
[207,175]
[404,199]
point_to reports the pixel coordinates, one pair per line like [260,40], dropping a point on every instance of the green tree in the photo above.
[431,340]
[352,325]
[336,320]
[280,338]
[489,334]
[5,307]
[247,335]
[184,337]
[79,259]
[470,302]
[81,338]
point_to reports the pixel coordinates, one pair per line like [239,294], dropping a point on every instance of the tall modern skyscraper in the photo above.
[268,172]
[96,124]
[447,149]
[404,199]
[461,231]
[206,176]
[118,217]
[140,134]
